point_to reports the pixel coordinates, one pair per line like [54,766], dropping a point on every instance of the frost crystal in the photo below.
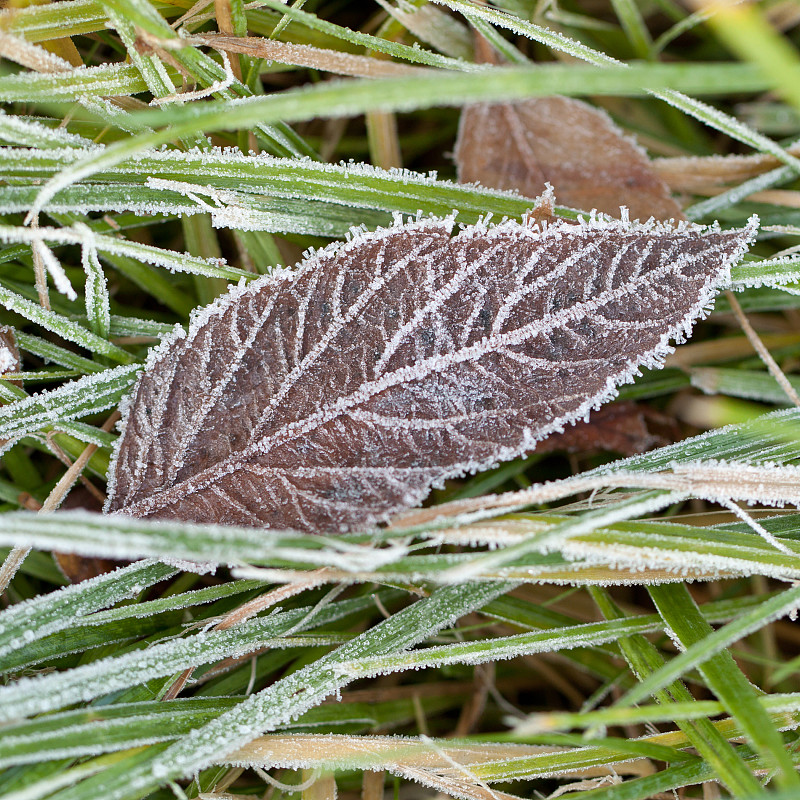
[329,398]
[8,361]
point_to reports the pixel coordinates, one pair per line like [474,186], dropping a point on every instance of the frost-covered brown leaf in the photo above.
[576,148]
[330,397]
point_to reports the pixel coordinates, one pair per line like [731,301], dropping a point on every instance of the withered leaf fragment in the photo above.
[576,148]
[9,352]
[9,363]
[77,568]
[621,427]
[328,398]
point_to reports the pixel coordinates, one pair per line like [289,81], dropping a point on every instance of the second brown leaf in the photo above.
[574,147]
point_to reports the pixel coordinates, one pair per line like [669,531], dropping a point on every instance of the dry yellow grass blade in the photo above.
[704,174]
[449,767]
[303,55]
[710,480]
[30,55]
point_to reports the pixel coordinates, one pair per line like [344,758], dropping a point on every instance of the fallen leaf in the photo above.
[573,146]
[328,398]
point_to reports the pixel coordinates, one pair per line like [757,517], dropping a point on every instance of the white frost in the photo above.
[8,360]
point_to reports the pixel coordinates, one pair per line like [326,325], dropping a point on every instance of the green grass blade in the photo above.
[63,327]
[68,402]
[56,690]
[291,695]
[24,623]
[643,659]
[724,677]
